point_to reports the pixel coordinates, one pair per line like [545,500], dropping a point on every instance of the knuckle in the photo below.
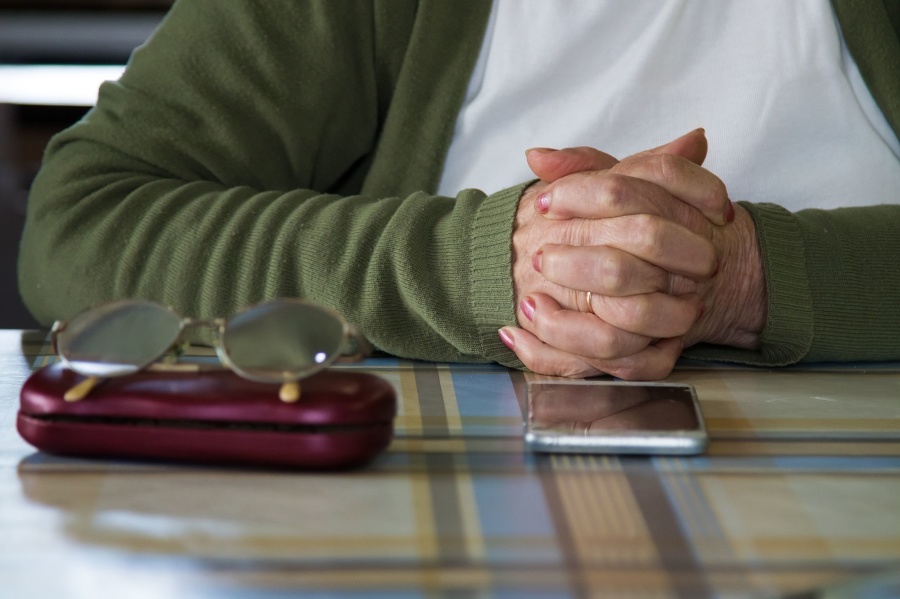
[583,184]
[601,345]
[710,259]
[666,167]
[647,232]
[613,274]
[637,313]
[612,343]
[613,192]
[718,194]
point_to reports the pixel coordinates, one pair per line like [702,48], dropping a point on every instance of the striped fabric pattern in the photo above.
[800,490]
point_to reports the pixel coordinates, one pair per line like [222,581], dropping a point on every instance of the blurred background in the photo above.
[53,56]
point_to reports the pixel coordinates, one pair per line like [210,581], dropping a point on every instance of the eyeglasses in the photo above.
[278,341]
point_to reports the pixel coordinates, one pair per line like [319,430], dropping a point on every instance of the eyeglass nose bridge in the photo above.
[201,331]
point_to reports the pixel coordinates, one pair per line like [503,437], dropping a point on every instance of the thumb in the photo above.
[691,146]
[549,164]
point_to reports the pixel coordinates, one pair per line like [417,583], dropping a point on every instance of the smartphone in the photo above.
[582,416]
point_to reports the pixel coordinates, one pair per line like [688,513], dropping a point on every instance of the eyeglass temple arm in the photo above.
[356,347]
[55,330]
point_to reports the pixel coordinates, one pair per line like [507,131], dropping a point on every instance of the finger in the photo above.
[550,165]
[580,333]
[657,315]
[605,270]
[656,240]
[609,194]
[652,363]
[693,146]
[655,362]
[683,179]
[541,358]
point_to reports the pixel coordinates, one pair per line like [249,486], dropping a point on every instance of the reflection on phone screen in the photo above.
[595,409]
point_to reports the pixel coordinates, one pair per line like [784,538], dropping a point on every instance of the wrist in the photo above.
[526,239]
[735,300]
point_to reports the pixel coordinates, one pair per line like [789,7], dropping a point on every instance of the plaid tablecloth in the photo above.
[800,490]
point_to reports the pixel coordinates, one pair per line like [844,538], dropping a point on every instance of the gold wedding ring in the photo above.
[589,304]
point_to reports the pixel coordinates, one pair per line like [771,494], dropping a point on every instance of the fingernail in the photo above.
[729,212]
[537,259]
[543,203]
[528,307]
[507,339]
[540,150]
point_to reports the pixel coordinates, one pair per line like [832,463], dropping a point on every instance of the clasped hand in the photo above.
[667,258]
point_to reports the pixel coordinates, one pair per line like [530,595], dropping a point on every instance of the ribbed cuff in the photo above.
[493,301]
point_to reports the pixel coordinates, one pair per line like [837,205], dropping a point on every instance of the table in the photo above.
[800,489]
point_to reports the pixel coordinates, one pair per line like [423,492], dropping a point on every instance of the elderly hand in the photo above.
[645,237]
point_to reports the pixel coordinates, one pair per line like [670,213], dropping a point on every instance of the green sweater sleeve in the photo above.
[833,286]
[231,164]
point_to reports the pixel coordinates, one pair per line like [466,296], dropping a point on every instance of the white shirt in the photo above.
[786,113]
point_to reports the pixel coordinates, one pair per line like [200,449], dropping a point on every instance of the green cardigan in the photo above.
[258,149]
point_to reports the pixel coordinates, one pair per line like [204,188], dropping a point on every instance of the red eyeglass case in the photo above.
[342,420]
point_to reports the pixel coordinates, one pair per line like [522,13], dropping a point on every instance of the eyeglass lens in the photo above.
[118,339]
[283,340]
